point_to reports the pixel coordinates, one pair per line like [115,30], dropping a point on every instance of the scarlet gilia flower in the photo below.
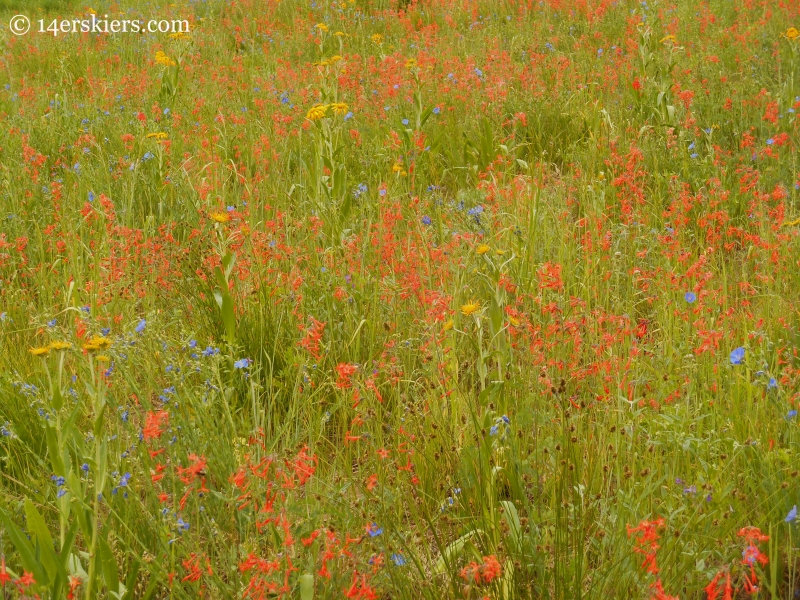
[345,372]
[155,424]
[485,572]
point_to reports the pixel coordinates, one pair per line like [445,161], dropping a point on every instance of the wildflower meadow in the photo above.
[400,299]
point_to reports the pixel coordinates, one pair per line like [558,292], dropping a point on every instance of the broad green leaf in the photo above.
[24,549]
[307,586]
[108,565]
[38,530]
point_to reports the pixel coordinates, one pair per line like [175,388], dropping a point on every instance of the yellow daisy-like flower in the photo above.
[334,59]
[376,38]
[340,34]
[470,308]
[39,351]
[60,345]
[513,321]
[220,217]
[339,108]
[500,252]
[179,36]
[322,63]
[160,135]
[448,326]
[482,249]
[97,343]
[397,168]
[792,33]
[411,63]
[165,60]
[668,38]
[321,26]
[316,112]
[102,358]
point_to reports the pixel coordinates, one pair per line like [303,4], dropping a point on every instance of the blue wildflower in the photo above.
[242,363]
[140,327]
[792,516]
[737,356]
[373,530]
[426,220]
[690,297]
[398,559]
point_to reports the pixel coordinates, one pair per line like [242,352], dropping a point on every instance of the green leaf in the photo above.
[39,532]
[307,586]
[54,450]
[108,564]
[453,551]
[24,548]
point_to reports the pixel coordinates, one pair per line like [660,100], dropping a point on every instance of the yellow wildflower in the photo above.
[411,63]
[334,59]
[102,358]
[792,33]
[321,26]
[59,345]
[668,38]
[180,35]
[165,60]
[397,168]
[97,343]
[40,351]
[470,308]
[376,38]
[513,321]
[220,217]
[339,108]
[448,326]
[322,63]
[482,249]
[316,112]
[340,34]
[160,135]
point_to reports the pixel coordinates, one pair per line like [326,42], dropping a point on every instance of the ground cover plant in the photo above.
[437,299]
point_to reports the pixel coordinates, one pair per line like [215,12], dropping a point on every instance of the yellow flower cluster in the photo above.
[160,135]
[376,38]
[165,60]
[316,112]
[220,217]
[45,350]
[321,26]
[792,33]
[97,343]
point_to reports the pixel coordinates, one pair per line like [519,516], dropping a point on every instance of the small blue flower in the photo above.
[85,467]
[52,323]
[690,297]
[792,516]
[192,343]
[493,430]
[437,110]
[242,363]
[140,327]
[373,530]
[737,356]
[426,220]
[348,116]
[404,121]
[692,489]
[770,141]
[398,559]
[772,384]
[791,415]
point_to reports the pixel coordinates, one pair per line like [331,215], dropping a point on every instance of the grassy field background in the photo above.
[443,300]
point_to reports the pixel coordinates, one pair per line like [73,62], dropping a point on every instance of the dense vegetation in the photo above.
[450,299]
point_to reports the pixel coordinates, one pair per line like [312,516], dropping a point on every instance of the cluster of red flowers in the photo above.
[484,572]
